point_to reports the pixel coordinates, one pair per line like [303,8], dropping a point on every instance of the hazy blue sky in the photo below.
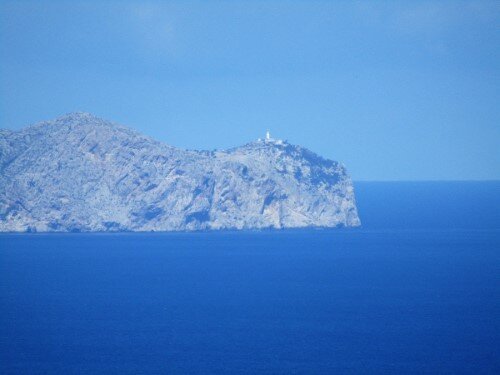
[395,90]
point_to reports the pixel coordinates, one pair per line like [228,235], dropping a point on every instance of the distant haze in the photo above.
[394,90]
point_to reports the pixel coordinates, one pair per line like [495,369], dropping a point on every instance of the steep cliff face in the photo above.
[81,173]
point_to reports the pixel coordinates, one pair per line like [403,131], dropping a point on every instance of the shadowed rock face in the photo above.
[82,173]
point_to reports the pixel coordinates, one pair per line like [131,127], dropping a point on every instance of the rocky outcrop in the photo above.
[82,173]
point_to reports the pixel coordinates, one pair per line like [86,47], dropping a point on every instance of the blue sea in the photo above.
[415,290]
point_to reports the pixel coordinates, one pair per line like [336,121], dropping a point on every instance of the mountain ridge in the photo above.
[79,172]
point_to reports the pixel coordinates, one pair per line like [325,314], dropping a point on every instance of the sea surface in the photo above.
[415,290]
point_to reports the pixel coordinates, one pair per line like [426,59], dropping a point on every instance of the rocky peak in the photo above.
[80,172]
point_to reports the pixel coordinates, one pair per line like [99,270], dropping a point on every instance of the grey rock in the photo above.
[82,173]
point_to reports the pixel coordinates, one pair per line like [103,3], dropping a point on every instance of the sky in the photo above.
[394,90]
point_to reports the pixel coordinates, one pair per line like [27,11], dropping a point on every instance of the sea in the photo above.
[415,290]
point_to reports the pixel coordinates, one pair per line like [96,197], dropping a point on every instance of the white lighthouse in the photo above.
[269,139]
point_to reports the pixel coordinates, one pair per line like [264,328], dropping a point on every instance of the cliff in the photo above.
[82,173]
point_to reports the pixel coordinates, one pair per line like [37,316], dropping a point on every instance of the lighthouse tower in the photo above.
[269,139]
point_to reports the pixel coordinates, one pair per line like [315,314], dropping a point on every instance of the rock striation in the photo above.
[81,173]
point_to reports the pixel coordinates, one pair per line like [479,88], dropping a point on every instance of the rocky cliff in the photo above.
[82,173]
